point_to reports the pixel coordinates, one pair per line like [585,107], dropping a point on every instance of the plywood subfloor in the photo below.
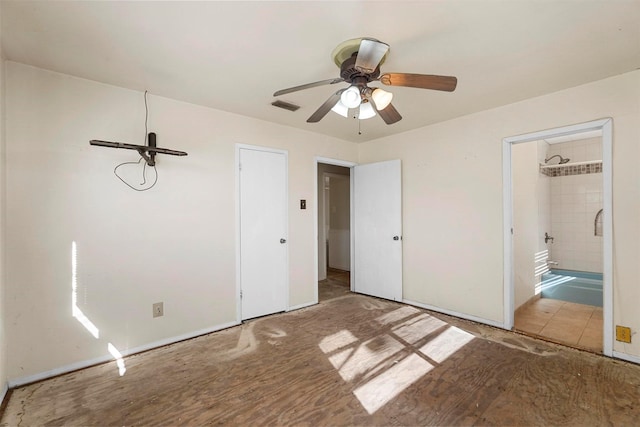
[351,360]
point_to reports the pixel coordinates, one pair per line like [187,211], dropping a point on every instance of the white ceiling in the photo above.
[233,55]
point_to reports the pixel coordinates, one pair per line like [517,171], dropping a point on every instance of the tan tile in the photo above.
[591,341]
[578,308]
[597,313]
[547,305]
[575,323]
[536,312]
[594,324]
[562,334]
[529,323]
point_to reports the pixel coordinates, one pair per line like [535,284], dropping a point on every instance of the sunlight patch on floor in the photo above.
[338,340]
[366,357]
[384,366]
[418,328]
[379,391]
[445,344]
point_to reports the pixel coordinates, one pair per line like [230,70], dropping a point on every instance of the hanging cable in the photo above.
[115,172]
[144,167]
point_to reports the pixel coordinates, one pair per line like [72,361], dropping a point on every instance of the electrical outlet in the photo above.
[623,334]
[158,309]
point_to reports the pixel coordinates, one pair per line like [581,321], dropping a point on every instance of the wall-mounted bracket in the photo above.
[148,152]
[151,157]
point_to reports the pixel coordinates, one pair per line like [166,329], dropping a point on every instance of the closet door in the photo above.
[378,229]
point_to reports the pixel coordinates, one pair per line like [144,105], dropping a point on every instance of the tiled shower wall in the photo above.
[575,202]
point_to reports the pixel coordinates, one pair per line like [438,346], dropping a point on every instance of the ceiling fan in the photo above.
[359,61]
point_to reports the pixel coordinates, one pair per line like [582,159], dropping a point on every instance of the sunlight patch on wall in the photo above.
[379,391]
[75,310]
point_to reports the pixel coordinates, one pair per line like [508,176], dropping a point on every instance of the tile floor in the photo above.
[575,325]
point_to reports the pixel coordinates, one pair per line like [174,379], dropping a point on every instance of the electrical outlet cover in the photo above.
[623,334]
[158,309]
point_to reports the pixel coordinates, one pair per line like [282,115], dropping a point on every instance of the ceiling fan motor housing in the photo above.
[349,72]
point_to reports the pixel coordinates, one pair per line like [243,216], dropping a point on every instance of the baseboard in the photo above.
[627,357]
[108,357]
[456,314]
[299,306]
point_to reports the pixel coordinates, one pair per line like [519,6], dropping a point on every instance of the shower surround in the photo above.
[575,199]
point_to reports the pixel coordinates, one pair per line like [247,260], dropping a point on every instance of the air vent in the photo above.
[285,105]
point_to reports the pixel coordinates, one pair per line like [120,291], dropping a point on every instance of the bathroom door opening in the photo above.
[558,245]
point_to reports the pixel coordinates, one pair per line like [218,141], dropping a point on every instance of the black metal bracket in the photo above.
[147,152]
[150,158]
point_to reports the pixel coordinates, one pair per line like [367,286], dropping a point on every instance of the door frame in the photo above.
[346,164]
[238,289]
[606,126]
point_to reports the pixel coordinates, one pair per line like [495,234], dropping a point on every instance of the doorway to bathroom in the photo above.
[557,251]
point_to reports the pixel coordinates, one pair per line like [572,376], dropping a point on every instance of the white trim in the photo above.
[627,357]
[108,358]
[607,231]
[237,217]
[304,305]
[454,313]
[335,162]
[606,125]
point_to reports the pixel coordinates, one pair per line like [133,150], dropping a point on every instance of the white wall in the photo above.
[452,197]
[175,243]
[339,223]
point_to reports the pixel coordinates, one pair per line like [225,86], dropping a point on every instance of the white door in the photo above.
[377,204]
[263,232]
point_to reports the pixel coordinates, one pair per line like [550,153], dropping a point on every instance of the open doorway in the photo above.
[334,231]
[558,239]
[558,232]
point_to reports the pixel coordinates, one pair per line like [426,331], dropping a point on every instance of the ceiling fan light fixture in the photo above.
[351,97]
[341,109]
[382,98]
[366,111]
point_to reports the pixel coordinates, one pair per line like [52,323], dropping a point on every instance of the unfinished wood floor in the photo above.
[351,360]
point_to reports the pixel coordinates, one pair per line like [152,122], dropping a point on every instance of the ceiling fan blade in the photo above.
[370,53]
[421,81]
[307,86]
[389,114]
[325,108]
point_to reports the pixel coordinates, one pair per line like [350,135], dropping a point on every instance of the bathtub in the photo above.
[573,286]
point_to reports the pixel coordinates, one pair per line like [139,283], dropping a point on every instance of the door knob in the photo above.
[283,240]
[396,238]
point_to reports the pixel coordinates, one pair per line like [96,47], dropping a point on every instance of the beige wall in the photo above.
[3,343]
[452,197]
[175,243]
